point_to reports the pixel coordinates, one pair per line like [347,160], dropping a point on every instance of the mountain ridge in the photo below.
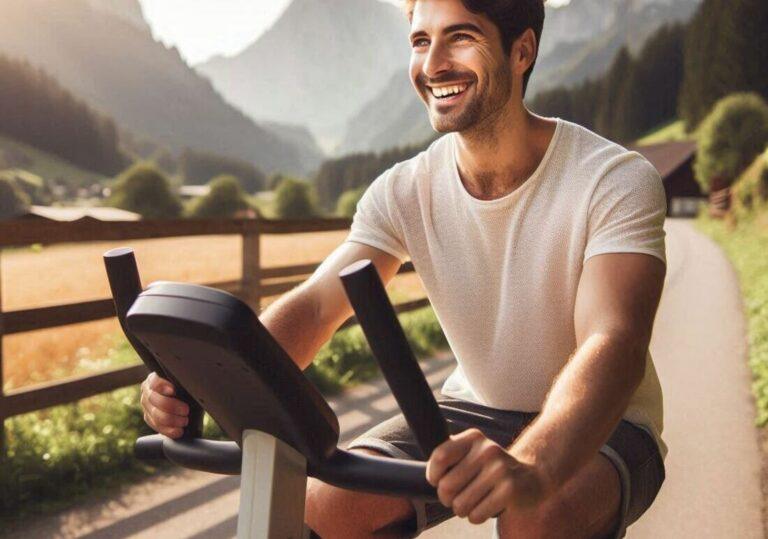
[106,57]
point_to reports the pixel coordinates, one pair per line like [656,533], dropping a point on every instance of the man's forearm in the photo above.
[583,407]
[295,323]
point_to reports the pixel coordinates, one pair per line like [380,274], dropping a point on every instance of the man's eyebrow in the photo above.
[465,26]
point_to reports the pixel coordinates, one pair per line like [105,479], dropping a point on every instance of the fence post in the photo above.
[2,377]
[251,268]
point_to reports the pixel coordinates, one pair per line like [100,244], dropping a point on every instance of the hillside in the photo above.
[53,169]
[317,65]
[100,51]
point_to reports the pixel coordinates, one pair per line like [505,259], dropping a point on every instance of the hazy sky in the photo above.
[203,28]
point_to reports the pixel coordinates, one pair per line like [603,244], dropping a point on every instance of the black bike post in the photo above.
[385,335]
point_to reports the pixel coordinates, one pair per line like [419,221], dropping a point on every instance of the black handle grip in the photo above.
[125,284]
[387,340]
[197,454]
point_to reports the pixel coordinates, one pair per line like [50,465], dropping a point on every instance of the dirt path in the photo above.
[699,348]
[713,467]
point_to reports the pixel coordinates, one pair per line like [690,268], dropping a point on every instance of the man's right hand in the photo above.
[162,412]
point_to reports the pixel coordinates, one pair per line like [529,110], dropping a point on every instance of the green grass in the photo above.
[46,165]
[745,241]
[672,131]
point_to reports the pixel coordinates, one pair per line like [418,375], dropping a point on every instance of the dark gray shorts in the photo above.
[631,449]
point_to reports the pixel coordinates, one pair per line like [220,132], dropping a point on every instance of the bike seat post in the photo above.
[273,487]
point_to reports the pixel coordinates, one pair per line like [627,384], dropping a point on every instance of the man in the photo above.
[541,247]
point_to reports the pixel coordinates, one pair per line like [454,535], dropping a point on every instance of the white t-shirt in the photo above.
[502,274]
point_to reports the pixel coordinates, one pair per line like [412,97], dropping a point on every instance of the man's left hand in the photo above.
[479,479]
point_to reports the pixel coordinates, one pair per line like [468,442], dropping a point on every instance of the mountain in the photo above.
[102,52]
[395,117]
[317,65]
[579,41]
[609,25]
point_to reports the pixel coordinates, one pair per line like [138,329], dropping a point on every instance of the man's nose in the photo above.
[436,62]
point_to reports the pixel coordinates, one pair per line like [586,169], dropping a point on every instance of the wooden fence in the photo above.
[253,286]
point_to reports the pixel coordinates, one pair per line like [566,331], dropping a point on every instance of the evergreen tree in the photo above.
[145,190]
[225,199]
[726,51]
[610,117]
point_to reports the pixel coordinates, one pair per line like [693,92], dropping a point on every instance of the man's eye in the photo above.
[419,42]
[462,37]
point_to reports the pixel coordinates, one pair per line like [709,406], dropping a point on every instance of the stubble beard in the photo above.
[481,111]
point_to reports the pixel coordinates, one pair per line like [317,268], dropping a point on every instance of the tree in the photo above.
[225,199]
[295,199]
[143,189]
[730,138]
[726,51]
[347,204]
[36,110]
[610,117]
[13,201]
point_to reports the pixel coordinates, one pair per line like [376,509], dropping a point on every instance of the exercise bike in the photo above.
[223,361]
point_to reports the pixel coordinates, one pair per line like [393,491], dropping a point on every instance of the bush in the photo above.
[347,359]
[13,201]
[145,190]
[750,192]
[198,167]
[225,199]
[347,204]
[295,199]
[731,137]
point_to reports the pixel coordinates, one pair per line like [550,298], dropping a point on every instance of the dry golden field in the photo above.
[74,272]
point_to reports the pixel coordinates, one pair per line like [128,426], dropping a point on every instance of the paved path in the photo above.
[712,488]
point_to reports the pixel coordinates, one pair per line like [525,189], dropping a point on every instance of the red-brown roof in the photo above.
[667,157]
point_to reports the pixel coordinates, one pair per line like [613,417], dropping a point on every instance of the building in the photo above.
[54,213]
[674,161]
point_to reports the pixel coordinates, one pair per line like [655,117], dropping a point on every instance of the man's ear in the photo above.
[524,52]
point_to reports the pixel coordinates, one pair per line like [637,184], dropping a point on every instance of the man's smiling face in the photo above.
[458,66]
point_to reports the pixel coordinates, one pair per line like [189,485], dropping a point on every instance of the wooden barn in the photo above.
[674,161]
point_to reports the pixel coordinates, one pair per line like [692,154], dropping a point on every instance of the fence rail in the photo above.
[251,287]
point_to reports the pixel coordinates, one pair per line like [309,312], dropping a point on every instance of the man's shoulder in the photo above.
[599,156]
[405,176]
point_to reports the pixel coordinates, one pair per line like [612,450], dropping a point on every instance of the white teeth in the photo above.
[449,90]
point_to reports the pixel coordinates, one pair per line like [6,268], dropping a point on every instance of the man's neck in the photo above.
[497,159]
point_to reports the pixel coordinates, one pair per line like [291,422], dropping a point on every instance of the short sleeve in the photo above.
[627,210]
[376,222]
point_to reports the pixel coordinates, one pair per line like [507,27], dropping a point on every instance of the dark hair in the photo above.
[511,17]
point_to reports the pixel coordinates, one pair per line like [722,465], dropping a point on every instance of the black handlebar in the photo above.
[388,342]
[125,284]
[344,468]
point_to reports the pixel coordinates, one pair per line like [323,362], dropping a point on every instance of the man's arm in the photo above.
[301,321]
[306,317]
[616,303]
